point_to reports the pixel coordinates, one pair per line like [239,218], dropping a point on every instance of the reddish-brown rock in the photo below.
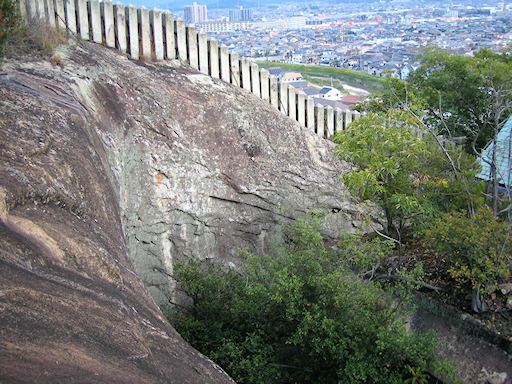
[72,309]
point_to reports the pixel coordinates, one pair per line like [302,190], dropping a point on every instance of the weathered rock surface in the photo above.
[111,170]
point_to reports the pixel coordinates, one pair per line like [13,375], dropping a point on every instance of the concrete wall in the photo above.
[155,35]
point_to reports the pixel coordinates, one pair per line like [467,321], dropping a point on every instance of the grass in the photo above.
[34,37]
[322,75]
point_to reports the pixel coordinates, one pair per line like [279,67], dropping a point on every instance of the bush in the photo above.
[8,20]
[477,249]
[300,316]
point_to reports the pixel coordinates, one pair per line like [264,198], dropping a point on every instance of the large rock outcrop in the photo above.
[111,170]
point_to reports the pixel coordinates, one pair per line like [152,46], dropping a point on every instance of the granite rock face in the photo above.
[72,309]
[112,170]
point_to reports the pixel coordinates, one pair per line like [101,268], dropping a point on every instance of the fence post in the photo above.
[283,98]
[120,27]
[301,109]
[348,118]
[145,33]
[255,79]
[133,31]
[213,50]
[338,120]
[320,121]
[95,14]
[69,9]
[246,74]
[83,17]
[274,92]
[310,114]
[330,121]
[265,87]
[224,64]
[50,12]
[108,23]
[193,56]
[60,15]
[181,40]
[155,17]
[202,40]
[292,103]
[234,65]
[170,42]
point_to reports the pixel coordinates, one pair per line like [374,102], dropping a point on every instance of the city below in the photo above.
[381,38]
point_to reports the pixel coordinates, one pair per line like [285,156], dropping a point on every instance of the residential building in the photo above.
[321,102]
[313,92]
[330,93]
[195,13]
[299,84]
[240,14]
[290,77]
[218,26]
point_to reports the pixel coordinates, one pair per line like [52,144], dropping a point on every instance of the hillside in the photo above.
[322,75]
[113,170]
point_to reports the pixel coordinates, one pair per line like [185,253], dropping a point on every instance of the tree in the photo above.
[456,95]
[397,94]
[466,96]
[404,172]
[301,315]
[388,156]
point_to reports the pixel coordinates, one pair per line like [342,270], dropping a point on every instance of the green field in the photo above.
[322,75]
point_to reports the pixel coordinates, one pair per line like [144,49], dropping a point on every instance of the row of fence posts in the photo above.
[156,35]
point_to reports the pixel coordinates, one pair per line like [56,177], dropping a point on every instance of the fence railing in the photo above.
[157,35]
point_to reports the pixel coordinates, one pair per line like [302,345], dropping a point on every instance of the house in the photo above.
[351,100]
[503,158]
[313,92]
[321,102]
[290,77]
[275,71]
[331,93]
[299,84]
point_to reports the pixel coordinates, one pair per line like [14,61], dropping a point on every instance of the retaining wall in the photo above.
[157,35]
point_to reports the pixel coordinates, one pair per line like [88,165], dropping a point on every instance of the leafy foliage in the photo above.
[478,248]
[300,315]
[387,154]
[464,91]
[8,19]
[397,94]
[405,173]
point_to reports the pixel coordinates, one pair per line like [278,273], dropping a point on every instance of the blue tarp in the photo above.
[503,157]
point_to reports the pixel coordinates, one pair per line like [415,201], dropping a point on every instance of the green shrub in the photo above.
[300,316]
[8,19]
[477,249]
